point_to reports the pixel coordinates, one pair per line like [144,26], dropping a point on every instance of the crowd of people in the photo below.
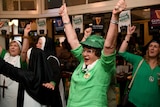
[29,92]
[31,76]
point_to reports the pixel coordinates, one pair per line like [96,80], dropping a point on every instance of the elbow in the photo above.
[109,45]
[109,50]
[121,51]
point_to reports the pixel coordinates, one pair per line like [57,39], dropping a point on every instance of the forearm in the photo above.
[25,47]
[69,30]
[84,38]
[112,32]
[71,36]
[111,37]
[1,50]
[1,24]
[124,44]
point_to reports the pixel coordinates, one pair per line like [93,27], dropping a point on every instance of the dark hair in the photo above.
[98,52]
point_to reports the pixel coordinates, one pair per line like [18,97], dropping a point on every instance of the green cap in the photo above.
[95,41]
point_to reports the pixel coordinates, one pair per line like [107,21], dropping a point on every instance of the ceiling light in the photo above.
[146,10]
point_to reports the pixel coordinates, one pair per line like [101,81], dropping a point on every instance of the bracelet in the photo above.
[24,51]
[126,41]
[25,37]
[114,22]
[67,23]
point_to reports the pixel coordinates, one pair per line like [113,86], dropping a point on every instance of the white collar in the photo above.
[89,67]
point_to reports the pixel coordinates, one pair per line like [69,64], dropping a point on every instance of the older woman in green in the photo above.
[90,82]
[91,78]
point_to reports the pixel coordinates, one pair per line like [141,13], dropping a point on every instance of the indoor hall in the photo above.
[46,21]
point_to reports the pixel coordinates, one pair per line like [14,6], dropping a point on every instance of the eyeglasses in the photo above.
[89,51]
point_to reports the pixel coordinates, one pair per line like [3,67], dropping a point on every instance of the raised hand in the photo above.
[87,32]
[63,12]
[27,29]
[119,7]
[1,24]
[131,29]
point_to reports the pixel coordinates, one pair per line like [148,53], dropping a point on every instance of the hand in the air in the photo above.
[120,6]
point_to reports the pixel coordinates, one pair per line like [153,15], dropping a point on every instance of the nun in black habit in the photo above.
[39,72]
[47,45]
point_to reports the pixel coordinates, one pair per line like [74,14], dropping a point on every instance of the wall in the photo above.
[99,7]
[147,37]
[2,42]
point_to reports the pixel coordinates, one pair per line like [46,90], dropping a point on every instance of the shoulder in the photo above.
[54,59]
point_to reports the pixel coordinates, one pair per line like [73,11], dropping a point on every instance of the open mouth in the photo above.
[86,59]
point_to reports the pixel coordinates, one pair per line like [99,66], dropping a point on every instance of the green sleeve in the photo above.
[53,83]
[3,53]
[23,64]
[130,57]
[78,53]
[109,61]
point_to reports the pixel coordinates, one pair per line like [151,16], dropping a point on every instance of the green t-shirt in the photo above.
[143,93]
[91,91]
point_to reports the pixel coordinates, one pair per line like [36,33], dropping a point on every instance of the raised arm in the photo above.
[69,30]
[111,37]
[1,24]
[124,45]
[1,49]
[87,33]
[25,45]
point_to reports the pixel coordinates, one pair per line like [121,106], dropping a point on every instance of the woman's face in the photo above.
[39,43]
[153,49]
[14,48]
[89,55]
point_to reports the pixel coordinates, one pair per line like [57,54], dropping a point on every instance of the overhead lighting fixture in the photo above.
[146,10]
